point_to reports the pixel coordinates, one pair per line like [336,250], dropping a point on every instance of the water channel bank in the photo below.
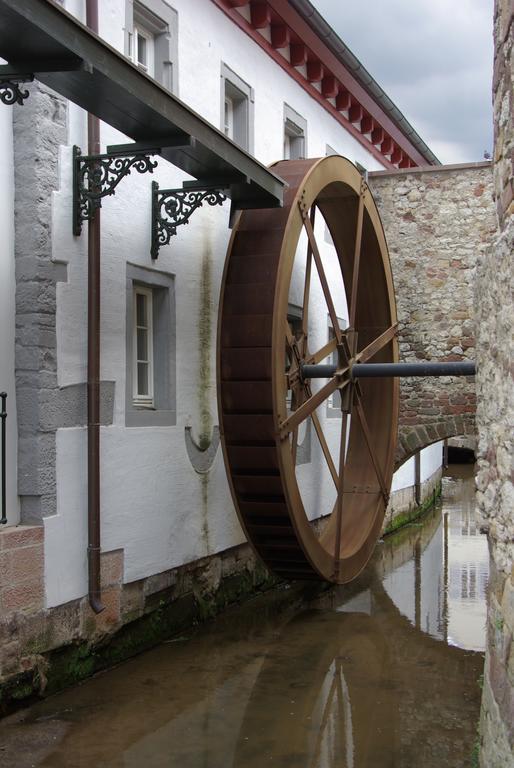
[383,672]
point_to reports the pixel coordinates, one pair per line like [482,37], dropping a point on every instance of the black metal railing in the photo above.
[3,417]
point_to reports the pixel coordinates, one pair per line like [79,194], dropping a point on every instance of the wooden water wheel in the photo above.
[265,396]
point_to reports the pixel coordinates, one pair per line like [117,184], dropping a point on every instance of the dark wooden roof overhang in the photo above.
[40,38]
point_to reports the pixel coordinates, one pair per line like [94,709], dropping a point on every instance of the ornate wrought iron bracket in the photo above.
[173,207]
[97,176]
[10,91]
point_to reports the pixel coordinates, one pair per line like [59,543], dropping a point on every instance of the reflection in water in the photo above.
[442,588]
[362,676]
[469,566]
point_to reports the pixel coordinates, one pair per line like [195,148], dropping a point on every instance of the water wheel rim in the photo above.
[326,182]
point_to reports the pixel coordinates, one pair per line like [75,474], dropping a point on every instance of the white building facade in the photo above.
[165,500]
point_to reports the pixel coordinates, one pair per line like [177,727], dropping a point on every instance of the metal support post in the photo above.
[385,370]
[3,417]
[445,454]
[417,478]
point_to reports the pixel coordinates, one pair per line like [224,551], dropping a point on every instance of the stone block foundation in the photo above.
[21,569]
[43,650]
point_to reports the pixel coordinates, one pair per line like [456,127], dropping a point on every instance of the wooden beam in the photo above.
[260,15]
[387,146]
[329,87]
[315,71]
[280,36]
[396,155]
[298,54]
[355,113]
[367,124]
[343,100]
[377,135]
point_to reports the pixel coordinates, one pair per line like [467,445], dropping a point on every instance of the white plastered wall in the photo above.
[154,505]
[431,460]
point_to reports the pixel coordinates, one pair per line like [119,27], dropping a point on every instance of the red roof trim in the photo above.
[365,113]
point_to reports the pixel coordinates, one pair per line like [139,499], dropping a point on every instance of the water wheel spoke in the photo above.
[369,442]
[322,353]
[291,349]
[297,399]
[290,339]
[295,445]
[356,260]
[340,490]
[325,448]
[309,406]
[307,284]
[375,346]
[322,278]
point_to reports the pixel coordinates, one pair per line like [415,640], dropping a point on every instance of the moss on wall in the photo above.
[414,513]
[74,662]
[204,346]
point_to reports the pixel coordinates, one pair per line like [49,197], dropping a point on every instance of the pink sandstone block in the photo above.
[21,565]
[109,617]
[111,568]
[21,536]
[23,597]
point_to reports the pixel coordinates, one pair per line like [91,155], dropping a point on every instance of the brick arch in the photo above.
[412,439]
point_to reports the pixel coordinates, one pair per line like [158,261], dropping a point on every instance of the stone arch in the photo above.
[412,439]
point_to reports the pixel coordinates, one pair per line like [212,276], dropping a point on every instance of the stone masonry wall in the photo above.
[439,223]
[35,178]
[495,414]
[40,129]
[44,650]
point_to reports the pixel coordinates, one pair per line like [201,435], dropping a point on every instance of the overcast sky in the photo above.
[433,58]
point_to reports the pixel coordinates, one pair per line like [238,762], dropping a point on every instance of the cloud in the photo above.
[434,59]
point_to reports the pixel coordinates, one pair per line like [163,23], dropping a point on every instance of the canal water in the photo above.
[383,673]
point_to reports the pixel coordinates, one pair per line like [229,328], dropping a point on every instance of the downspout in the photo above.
[93,365]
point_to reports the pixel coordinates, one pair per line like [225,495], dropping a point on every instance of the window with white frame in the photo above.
[151,39]
[142,378]
[237,100]
[229,117]
[295,133]
[142,53]
[151,348]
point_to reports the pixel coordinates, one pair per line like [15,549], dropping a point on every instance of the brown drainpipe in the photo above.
[93,366]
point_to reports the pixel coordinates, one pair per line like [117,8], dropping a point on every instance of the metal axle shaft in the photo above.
[379,370]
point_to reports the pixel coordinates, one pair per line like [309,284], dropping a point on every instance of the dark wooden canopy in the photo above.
[40,38]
